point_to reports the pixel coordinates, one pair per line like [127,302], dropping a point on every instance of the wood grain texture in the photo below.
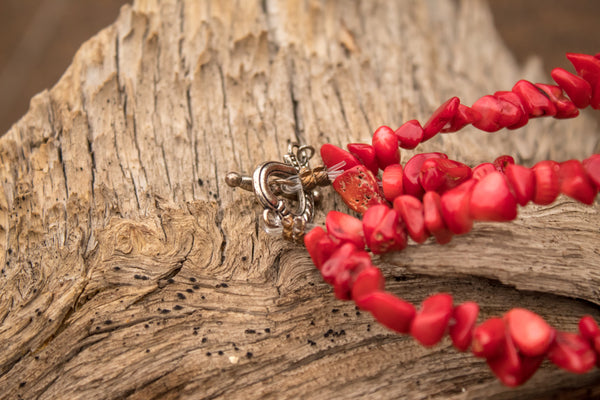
[130,270]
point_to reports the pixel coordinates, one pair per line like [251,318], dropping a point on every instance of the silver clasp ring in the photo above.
[278,188]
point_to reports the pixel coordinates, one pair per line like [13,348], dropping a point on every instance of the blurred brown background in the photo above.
[38,38]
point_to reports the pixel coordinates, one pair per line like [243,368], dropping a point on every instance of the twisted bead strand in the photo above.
[432,195]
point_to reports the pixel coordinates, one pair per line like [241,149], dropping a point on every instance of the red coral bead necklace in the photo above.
[434,196]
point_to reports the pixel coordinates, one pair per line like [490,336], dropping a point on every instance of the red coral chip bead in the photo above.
[464,317]
[464,116]
[319,246]
[510,114]
[572,353]
[410,210]
[492,200]
[496,113]
[514,99]
[368,281]
[530,333]
[489,338]
[482,170]
[489,108]
[596,346]
[502,162]
[522,181]
[371,219]
[332,266]
[345,228]
[442,174]
[577,88]
[535,102]
[547,186]
[412,170]
[512,368]
[358,188]
[592,168]
[390,311]
[385,143]
[333,155]
[455,208]
[588,328]
[365,153]
[430,322]
[440,118]
[588,67]
[565,108]
[432,214]
[575,183]
[391,181]
[431,177]
[528,367]
[386,231]
[410,134]
[390,235]
[347,272]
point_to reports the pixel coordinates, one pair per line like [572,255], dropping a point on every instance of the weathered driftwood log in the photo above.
[130,270]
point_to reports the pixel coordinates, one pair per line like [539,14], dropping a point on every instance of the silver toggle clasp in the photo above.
[288,200]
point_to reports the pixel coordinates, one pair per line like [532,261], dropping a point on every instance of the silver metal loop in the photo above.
[299,156]
[280,191]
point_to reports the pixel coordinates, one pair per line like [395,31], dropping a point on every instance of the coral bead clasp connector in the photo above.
[286,190]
